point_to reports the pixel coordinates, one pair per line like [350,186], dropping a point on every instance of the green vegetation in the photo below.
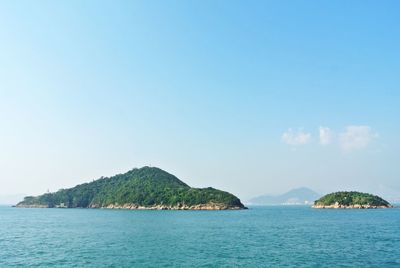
[351,199]
[147,186]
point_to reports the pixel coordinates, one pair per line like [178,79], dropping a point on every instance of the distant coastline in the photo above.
[297,196]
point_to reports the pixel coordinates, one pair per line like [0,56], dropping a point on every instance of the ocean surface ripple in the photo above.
[275,236]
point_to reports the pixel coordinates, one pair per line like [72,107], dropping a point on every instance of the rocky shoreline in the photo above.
[209,206]
[356,206]
[30,206]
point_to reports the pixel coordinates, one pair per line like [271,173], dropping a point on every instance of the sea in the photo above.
[270,236]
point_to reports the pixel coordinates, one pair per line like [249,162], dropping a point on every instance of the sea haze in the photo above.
[298,196]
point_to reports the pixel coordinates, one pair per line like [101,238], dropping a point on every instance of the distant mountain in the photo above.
[295,197]
[144,188]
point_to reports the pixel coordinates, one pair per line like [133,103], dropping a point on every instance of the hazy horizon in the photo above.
[251,98]
[389,194]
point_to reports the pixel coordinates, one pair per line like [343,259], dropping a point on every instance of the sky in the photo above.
[252,97]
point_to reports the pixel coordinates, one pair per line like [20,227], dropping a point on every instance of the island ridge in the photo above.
[144,188]
[351,200]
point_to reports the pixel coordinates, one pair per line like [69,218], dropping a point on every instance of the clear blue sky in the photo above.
[229,94]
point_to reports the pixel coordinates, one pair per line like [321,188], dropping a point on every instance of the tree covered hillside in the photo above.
[351,199]
[147,186]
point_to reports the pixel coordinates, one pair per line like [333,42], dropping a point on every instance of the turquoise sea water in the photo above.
[277,236]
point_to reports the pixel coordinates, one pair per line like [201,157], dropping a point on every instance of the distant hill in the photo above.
[144,188]
[296,196]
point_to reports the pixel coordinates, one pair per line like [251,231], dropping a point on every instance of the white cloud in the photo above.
[296,138]
[325,135]
[356,137]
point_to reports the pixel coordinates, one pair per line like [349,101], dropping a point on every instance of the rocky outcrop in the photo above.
[210,206]
[31,206]
[356,206]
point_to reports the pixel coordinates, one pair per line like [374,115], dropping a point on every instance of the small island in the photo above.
[143,188]
[351,200]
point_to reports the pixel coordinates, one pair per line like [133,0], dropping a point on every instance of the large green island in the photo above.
[351,200]
[144,188]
